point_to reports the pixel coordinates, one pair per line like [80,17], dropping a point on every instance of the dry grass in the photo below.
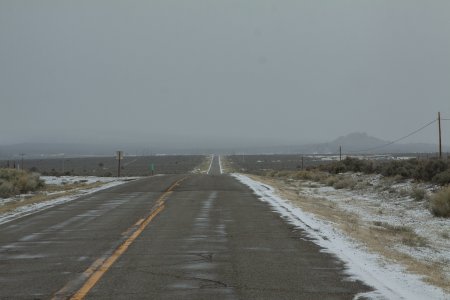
[204,166]
[403,234]
[227,166]
[379,237]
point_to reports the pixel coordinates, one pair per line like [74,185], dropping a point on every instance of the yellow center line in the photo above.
[139,222]
[101,266]
[127,232]
[95,277]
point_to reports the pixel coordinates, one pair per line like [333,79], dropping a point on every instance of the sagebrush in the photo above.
[440,203]
[14,182]
[429,170]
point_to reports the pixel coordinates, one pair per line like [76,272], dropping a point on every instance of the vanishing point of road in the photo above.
[167,237]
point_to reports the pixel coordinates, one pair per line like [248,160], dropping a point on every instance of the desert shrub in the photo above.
[331,181]
[427,169]
[16,181]
[6,189]
[430,170]
[344,183]
[440,203]
[414,240]
[361,185]
[338,167]
[302,175]
[316,176]
[403,192]
[319,176]
[268,173]
[351,165]
[442,178]
[395,168]
[283,174]
[418,194]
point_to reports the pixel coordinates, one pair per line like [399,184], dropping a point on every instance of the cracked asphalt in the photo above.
[212,239]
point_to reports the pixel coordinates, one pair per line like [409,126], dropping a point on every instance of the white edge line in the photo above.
[220,166]
[210,165]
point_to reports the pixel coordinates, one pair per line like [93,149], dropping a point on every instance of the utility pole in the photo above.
[340,153]
[119,157]
[440,136]
[302,162]
[22,154]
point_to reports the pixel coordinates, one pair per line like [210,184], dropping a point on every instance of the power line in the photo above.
[397,140]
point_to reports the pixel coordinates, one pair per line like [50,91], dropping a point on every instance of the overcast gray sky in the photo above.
[175,71]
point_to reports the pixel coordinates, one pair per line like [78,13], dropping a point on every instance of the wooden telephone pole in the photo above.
[440,136]
[119,157]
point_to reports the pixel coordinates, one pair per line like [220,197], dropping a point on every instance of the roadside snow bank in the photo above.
[389,281]
[36,207]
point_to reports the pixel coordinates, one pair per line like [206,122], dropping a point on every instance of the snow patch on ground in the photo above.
[36,207]
[389,281]
[394,206]
[81,179]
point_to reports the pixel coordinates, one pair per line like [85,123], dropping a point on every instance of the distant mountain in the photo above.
[360,142]
[353,143]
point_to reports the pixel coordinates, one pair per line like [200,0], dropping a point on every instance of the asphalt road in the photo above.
[206,237]
[215,168]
